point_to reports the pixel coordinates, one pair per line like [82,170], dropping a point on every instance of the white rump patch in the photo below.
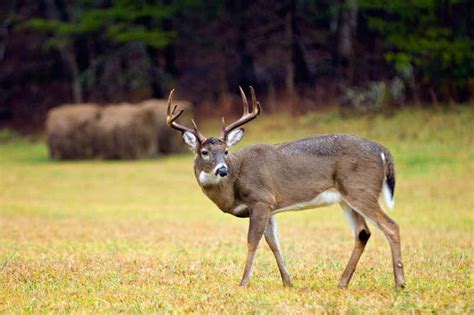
[387,196]
[383,157]
[325,198]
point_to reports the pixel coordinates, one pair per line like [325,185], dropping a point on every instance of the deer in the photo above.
[262,180]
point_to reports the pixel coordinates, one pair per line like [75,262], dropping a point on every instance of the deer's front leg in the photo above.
[258,221]
[271,236]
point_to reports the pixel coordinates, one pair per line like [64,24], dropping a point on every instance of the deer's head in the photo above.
[211,153]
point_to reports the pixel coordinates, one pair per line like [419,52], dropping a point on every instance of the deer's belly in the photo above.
[325,198]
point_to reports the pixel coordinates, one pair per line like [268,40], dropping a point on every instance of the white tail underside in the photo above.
[387,196]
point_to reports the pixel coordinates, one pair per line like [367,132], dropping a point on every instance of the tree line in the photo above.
[65,51]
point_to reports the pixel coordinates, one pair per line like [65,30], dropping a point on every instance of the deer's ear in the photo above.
[234,136]
[191,140]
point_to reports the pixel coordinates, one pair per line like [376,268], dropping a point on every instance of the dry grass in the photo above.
[141,237]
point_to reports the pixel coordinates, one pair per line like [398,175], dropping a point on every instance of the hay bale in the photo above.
[71,131]
[168,139]
[126,132]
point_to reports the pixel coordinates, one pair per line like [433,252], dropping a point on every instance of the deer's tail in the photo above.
[388,188]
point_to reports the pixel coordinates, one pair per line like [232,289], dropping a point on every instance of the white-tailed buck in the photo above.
[262,180]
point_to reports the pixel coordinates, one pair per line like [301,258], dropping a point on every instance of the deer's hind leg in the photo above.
[361,233]
[368,206]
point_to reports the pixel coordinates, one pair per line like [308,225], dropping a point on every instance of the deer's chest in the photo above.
[224,198]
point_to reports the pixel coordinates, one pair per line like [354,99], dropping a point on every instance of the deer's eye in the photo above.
[226,152]
[204,153]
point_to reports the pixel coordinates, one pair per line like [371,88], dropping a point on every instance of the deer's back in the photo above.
[329,145]
[300,170]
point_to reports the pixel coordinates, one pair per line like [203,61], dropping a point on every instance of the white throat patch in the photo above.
[207,179]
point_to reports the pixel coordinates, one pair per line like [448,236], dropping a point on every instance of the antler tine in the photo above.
[170,97]
[246,116]
[255,104]
[244,100]
[197,132]
[171,118]
[194,124]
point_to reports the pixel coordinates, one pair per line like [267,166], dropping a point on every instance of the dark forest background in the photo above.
[299,55]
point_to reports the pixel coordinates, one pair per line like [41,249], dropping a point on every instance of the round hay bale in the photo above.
[126,132]
[168,140]
[71,131]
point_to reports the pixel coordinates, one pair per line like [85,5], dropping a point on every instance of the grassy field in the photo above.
[141,237]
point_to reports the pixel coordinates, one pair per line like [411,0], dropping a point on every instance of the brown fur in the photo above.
[268,177]
[274,173]
[261,179]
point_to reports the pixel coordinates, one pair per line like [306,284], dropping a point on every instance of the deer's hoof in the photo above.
[244,282]
[400,286]
[343,285]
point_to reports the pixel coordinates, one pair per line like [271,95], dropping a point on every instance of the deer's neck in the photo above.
[221,192]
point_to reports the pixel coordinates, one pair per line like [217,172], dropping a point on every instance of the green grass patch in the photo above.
[139,236]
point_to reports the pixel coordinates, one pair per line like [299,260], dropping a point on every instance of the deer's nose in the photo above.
[222,171]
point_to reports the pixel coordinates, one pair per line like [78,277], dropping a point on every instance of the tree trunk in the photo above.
[246,71]
[170,49]
[298,55]
[69,58]
[67,55]
[297,70]
[155,73]
[290,68]
[347,27]
[5,26]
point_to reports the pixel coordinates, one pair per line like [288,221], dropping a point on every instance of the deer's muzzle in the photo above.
[222,171]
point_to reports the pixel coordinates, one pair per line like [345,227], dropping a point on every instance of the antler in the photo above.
[171,120]
[246,116]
